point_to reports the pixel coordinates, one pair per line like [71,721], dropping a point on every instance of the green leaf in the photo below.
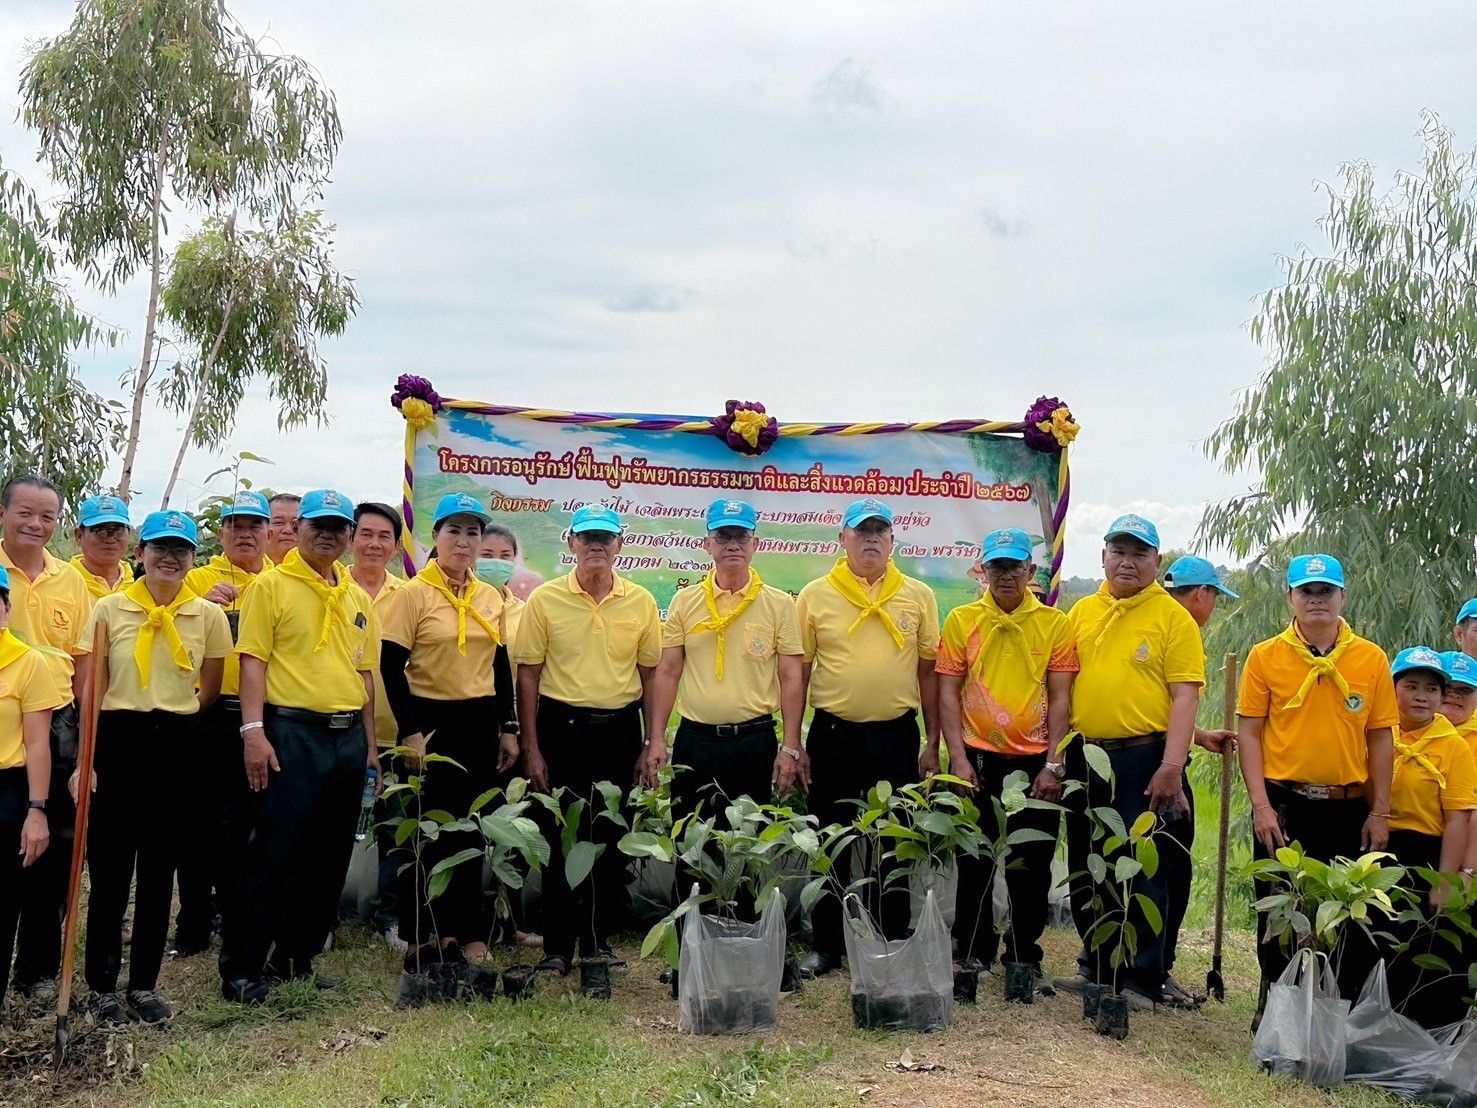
[1098,761]
[1097,868]
[1150,911]
[1142,825]
[644,844]
[1126,869]
[1147,853]
[1432,962]
[465,855]
[580,860]
[437,884]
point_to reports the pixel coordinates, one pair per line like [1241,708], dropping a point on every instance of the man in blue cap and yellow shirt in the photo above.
[1316,739]
[309,646]
[870,636]
[586,649]
[102,533]
[1005,665]
[1466,628]
[733,645]
[1135,698]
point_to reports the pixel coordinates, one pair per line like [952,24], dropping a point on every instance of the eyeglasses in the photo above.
[1006,567]
[596,538]
[108,531]
[176,550]
[329,525]
[731,536]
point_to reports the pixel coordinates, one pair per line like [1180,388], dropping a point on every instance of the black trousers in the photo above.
[582,748]
[1133,767]
[38,955]
[466,732]
[1326,829]
[846,761]
[1027,869]
[142,763]
[387,810]
[711,770]
[14,792]
[299,836]
[1431,997]
[218,795]
[1180,875]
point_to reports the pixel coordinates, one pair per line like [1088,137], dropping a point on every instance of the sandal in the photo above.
[555,964]
[1175,995]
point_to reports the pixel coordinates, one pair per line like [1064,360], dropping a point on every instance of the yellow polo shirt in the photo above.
[386,731]
[1434,774]
[205,577]
[864,677]
[589,650]
[1130,652]
[512,617]
[282,622]
[1321,742]
[27,684]
[1468,732]
[202,628]
[753,644]
[423,621]
[1004,659]
[52,611]
[99,586]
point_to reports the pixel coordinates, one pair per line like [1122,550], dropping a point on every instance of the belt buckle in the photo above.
[1318,792]
[725,730]
[340,720]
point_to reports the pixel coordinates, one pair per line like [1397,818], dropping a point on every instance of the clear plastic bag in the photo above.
[1454,1084]
[728,973]
[902,984]
[943,881]
[1304,1030]
[1389,1050]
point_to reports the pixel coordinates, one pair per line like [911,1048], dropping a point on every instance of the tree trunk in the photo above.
[145,365]
[207,365]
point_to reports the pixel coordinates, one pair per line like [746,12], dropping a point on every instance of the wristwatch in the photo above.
[511,728]
[1057,770]
[792,751]
[36,805]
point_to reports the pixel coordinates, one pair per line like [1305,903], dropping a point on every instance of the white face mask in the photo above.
[496,572]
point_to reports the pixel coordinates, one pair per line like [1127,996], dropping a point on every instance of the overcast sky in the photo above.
[848,211]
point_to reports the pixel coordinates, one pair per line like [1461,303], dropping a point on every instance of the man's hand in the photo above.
[373,763]
[1217,742]
[1166,792]
[73,781]
[1376,833]
[1047,787]
[1267,828]
[928,761]
[650,762]
[507,751]
[259,757]
[417,744]
[223,594]
[962,766]
[35,834]
[536,769]
[791,773]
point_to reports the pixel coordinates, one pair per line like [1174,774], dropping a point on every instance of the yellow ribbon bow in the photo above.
[720,623]
[160,617]
[850,587]
[11,647]
[333,596]
[1415,752]
[433,576]
[1004,622]
[1115,610]
[1326,666]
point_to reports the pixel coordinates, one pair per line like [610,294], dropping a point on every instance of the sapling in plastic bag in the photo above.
[901,984]
[728,973]
[941,879]
[1454,1084]
[1387,1049]
[1304,1029]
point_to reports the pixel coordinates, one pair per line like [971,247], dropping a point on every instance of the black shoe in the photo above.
[667,976]
[188,945]
[149,1006]
[108,1010]
[818,963]
[1043,985]
[244,991]
[322,984]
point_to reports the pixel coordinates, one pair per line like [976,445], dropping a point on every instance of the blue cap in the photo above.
[732,513]
[859,511]
[595,517]
[459,504]
[1461,669]
[1469,611]
[168,525]
[1135,527]
[326,504]
[247,503]
[1315,569]
[1007,542]
[1418,657]
[97,510]
[4,579]
[1191,570]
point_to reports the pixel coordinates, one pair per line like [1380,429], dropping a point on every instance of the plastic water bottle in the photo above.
[366,805]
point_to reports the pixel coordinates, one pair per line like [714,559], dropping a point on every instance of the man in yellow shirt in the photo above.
[1135,698]
[1005,666]
[732,644]
[1466,628]
[587,646]
[103,532]
[282,528]
[1316,740]
[870,637]
[309,646]
[1460,700]
[50,609]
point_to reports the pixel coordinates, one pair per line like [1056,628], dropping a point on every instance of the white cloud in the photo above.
[650,298]
[848,90]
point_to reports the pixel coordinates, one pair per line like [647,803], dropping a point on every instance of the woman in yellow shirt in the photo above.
[1432,793]
[163,655]
[497,562]
[28,693]
[446,673]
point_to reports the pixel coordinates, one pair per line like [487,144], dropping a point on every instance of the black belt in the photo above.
[231,704]
[731,730]
[1129,743]
[334,721]
[592,715]
[1321,792]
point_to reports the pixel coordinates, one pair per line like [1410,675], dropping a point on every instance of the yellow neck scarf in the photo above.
[333,596]
[98,586]
[719,623]
[1416,752]
[159,616]
[992,620]
[11,647]
[433,576]
[850,586]
[1326,666]
[1115,609]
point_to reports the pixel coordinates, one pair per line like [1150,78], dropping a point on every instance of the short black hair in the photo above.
[1185,590]
[497,530]
[5,596]
[286,498]
[375,508]
[28,480]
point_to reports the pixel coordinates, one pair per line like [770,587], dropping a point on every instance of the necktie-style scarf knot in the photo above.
[333,597]
[158,617]
[1325,666]
[850,587]
[719,624]
[433,576]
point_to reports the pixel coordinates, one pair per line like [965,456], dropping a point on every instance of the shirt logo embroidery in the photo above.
[907,622]
[1141,655]
[1354,702]
[758,648]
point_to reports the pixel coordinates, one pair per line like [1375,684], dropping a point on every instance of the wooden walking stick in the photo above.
[86,747]
[1215,984]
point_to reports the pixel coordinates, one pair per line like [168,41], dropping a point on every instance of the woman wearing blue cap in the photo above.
[446,673]
[164,651]
[28,694]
